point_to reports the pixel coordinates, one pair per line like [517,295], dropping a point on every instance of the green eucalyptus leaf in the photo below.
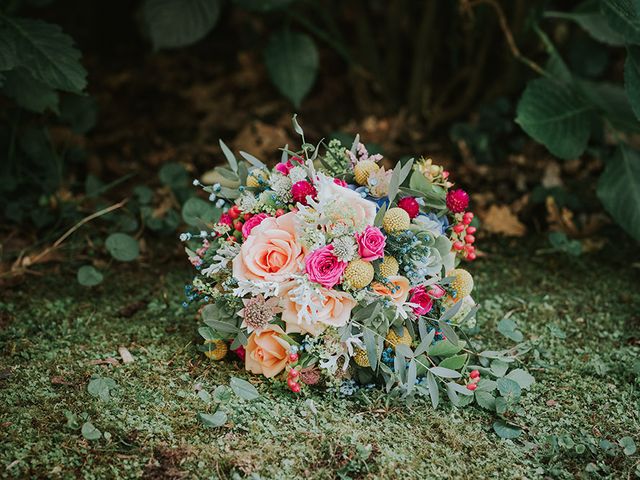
[243,389]
[122,247]
[434,392]
[444,348]
[486,400]
[216,420]
[445,372]
[89,276]
[522,377]
[455,362]
[509,389]
[198,212]
[504,430]
[90,432]
[509,329]
[101,387]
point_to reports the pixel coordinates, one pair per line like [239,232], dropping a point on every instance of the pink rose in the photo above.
[324,267]
[371,244]
[251,223]
[272,252]
[423,298]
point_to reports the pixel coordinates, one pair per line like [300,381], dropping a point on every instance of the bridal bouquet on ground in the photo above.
[330,269]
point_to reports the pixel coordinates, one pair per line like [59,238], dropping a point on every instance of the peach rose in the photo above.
[399,294]
[266,352]
[334,311]
[272,252]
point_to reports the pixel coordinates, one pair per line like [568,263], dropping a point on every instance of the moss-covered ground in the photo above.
[581,317]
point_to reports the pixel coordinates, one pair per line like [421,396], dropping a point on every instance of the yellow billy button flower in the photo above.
[462,283]
[253,180]
[396,220]
[359,273]
[389,267]
[393,339]
[218,351]
[363,169]
[361,357]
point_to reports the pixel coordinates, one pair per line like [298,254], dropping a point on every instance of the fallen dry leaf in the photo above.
[58,380]
[106,361]
[501,220]
[125,354]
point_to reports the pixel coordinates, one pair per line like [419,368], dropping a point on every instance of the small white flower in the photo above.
[345,248]
[297,174]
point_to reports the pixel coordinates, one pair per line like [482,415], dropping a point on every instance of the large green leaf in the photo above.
[619,189]
[554,115]
[292,62]
[28,92]
[591,19]
[613,103]
[623,18]
[43,49]
[178,23]
[632,78]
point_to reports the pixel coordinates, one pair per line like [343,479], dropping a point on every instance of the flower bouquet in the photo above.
[330,269]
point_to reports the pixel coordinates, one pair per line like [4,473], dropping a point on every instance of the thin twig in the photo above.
[66,235]
[504,26]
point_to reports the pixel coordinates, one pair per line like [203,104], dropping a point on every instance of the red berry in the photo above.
[458,228]
[474,373]
[293,373]
[471,256]
[469,248]
[471,230]
[234,212]
[237,225]
[293,357]
[279,212]
[469,238]
[247,216]
[458,245]
[292,383]
[295,388]
[472,386]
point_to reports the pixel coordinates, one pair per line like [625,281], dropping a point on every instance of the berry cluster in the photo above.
[293,377]
[474,378]
[463,236]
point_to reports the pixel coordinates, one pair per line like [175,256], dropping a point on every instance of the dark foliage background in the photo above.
[532,104]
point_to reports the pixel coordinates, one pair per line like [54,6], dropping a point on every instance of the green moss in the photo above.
[580,315]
